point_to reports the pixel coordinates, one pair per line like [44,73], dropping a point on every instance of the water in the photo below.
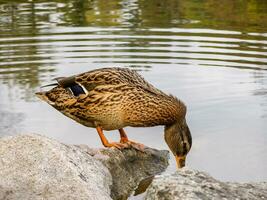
[211,54]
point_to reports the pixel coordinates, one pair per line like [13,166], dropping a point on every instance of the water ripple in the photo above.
[215,47]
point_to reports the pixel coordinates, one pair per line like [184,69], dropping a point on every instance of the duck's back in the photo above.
[113,76]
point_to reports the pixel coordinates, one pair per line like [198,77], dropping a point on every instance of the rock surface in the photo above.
[187,184]
[36,167]
[129,167]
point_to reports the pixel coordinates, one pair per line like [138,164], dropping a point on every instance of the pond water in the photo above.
[211,54]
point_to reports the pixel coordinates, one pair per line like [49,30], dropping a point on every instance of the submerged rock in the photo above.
[187,184]
[36,167]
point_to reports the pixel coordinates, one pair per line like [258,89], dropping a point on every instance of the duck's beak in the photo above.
[180,161]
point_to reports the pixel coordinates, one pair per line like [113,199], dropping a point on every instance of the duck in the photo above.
[114,98]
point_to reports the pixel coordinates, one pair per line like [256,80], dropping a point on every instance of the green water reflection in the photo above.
[26,60]
[245,20]
[244,15]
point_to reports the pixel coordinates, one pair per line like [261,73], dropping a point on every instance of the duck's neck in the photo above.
[165,111]
[171,110]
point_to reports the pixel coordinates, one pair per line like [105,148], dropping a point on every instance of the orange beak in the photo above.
[180,161]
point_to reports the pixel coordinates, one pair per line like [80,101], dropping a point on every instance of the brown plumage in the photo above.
[113,98]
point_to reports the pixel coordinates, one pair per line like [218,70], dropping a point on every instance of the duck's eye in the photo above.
[76,90]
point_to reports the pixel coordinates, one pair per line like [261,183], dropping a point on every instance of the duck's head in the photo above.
[179,140]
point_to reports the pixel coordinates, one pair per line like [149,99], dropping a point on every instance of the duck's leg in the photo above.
[123,135]
[125,140]
[106,143]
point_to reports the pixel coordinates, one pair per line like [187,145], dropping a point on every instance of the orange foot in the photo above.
[133,144]
[118,145]
[106,143]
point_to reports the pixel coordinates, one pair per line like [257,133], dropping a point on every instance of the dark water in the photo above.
[211,54]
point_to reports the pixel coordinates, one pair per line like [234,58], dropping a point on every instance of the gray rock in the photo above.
[189,184]
[36,167]
[129,167]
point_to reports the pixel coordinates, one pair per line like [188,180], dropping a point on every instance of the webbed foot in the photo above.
[136,145]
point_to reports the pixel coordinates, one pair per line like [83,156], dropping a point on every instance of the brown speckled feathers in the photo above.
[110,76]
[113,98]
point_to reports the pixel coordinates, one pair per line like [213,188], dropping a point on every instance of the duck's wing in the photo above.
[88,81]
[135,79]
[115,76]
[70,83]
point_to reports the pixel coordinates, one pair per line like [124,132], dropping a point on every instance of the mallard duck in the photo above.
[113,98]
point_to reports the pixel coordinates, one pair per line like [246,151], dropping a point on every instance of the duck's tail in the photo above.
[49,85]
[43,96]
